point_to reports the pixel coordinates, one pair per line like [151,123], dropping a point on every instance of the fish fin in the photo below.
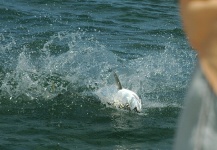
[117,81]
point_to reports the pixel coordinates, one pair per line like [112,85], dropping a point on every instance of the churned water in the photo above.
[55,56]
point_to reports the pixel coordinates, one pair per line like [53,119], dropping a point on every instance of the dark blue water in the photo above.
[55,55]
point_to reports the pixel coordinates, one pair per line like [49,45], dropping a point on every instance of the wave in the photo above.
[77,64]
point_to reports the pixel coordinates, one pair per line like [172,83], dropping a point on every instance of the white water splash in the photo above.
[83,64]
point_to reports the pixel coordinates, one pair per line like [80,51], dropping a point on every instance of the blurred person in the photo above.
[197,128]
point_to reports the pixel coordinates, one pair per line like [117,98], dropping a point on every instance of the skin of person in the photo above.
[199,19]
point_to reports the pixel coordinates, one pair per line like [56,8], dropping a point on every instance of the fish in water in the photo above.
[125,98]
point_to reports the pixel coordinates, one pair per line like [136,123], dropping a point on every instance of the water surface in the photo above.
[54,56]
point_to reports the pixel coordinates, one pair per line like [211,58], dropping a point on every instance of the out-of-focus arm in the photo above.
[200,24]
[199,21]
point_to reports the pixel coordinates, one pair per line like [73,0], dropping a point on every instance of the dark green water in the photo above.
[55,55]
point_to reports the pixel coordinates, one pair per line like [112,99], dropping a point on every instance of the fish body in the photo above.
[126,98]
